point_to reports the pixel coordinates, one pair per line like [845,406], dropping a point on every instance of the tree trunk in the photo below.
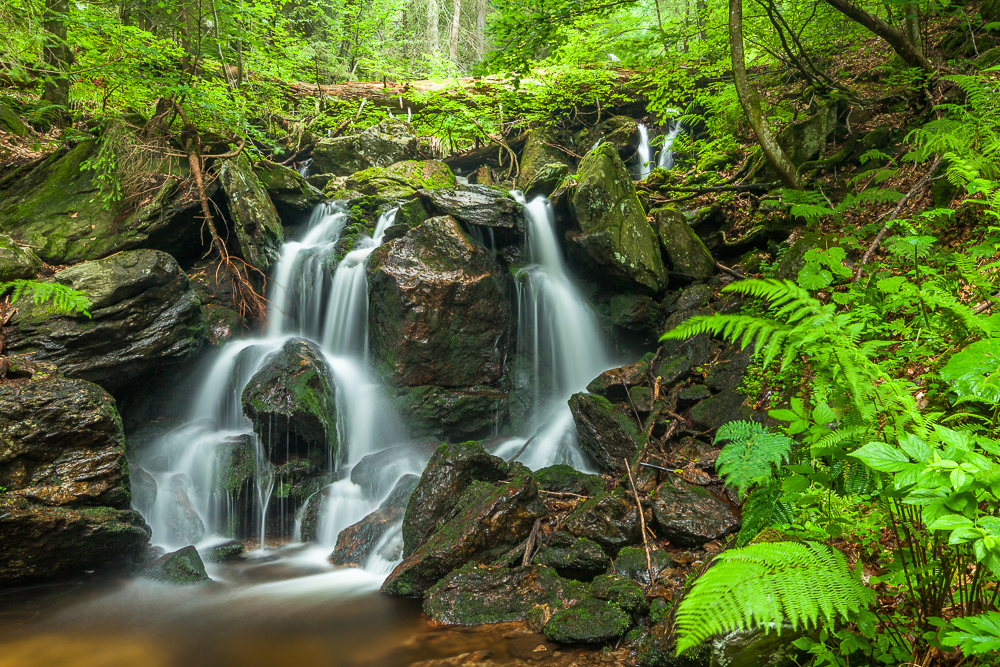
[456,18]
[56,53]
[480,28]
[913,26]
[700,11]
[433,38]
[903,47]
[750,102]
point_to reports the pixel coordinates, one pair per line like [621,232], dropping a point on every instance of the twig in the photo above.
[523,447]
[530,544]
[650,465]
[642,521]
[732,272]
[895,214]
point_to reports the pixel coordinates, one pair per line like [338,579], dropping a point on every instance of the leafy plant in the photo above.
[751,453]
[63,299]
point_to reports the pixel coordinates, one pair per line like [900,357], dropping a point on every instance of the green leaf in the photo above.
[973,372]
[882,457]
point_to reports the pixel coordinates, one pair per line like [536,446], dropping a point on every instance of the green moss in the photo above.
[564,478]
[620,591]
[588,622]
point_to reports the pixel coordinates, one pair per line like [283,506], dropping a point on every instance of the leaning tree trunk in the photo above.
[456,22]
[56,53]
[904,48]
[480,28]
[913,26]
[750,102]
[433,38]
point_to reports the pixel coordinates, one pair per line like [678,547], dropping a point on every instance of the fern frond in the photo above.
[803,583]
[976,634]
[750,453]
[64,300]
[762,509]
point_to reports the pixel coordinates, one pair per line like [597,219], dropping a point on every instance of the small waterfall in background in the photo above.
[303,167]
[666,157]
[644,153]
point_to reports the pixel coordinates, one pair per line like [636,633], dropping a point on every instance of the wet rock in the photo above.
[696,296]
[794,258]
[721,409]
[606,432]
[546,180]
[253,217]
[482,205]
[291,401]
[759,647]
[451,469]
[729,370]
[631,562]
[614,384]
[42,543]
[439,311]
[53,206]
[375,472]
[450,414]
[588,622]
[539,152]
[635,314]
[183,566]
[687,254]
[694,394]
[293,197]
[220,553]
[690,515]
[214,286]
[620,591]
[657,649]
[490,520]
[621,132]
[143,487]
[378,146]
[355,543]
[608,520]
[615,241]
[183,522]
[562,478]
[61,442]
[397,181]
[16,262]
[573,558]
[475,595]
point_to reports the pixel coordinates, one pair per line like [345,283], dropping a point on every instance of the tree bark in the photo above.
[56,53]
[903,47]
[456,22]
[480,28]
[750,102]
[433,38]
[913,26]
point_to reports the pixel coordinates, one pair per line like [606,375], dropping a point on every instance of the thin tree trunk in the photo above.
[456,18]
[903,47]
[750,102]
[700,10]
[480,28]
[913,26]
[56,53]
[433,37]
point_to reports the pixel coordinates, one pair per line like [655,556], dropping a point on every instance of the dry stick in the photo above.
[642,521]
[523,447]
[733,272]
[530,544]
[895,214]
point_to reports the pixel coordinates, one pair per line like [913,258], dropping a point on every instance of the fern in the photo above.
[64,300]
[803,583]
[762,509]
[750,453]
[975,634]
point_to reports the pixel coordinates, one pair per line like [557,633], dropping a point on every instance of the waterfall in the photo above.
[303,167]
[666,157]
[644,153]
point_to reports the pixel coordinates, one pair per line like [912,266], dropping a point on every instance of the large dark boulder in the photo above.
[16,262]
[687,254]
[355,543]
[145,320]
[690,515]
[252,216]
[292,195]
[541,156]
[562,478]
[378,146]
[450,414]
[631,562]
[607,432]
[722,408]
[291,401]
[608,520]
[180,567]
[482,205]
[572,557]
[439,312]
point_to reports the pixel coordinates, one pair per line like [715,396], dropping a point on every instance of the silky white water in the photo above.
[644,153]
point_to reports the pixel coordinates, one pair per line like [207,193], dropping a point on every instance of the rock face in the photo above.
[398,181]
[615,240]
[145,319]
[607,433]
[292,400]
[588,622]
[574,558]
[252,216]
[180,567]
[690,515]
[378,146]
[539,153]
[608,520]
[687,254]
[54,207]
[183,522]
[631,562]
[292,195]
[439,313]
[482,205]
[16,262]
[355,543]
[450,414]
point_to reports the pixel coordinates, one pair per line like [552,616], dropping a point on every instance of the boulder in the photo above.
[355,543]
[17,262]
[573,558]
[761,646]
[631,562]
[720,409]
[397,181]
[145,320]
[451,469]
[11,122]
[482,205]
[589,621]
[490,520]
[687,254]
[806,139]
[144,489]
[291,401]
[606,432]
[450,414]
[690,515]
[229,550]
[61,443]
[621,132]
[377,473]
[214,286]
[615,383]
[378,146]
[729,370]
[41,543]
[55,207]
[621,591]
[546,180]
[292,195]
[184,524]
[180,567]
[476,595]
[439,312]
[562,478]
[608,520]
[252,217]
[539,152]
[615,241]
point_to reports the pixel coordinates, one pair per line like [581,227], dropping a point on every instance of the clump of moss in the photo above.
[588,622]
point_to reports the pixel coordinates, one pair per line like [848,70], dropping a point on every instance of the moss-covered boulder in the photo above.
[621,591]
[400,180]
[489,521]
[356,542]
[291,401]
[11,122]
[685,251]
[806,139]
[482,205]
[252,216]
[450,414]
[61,442]
[605,431]
[722,408]
[608,520]
[378,146]
[476,595]
[292,195]
[439,311]
[546,180]
[183,566]
[562,478]
[450,471]
[690,515]
[215,289]
[621,132]
[56,207]
[615,241]
[572,557]
[145,320]
[226,551]
[539,152]
[631,562]
[589,621]
[43,543]
[16,262]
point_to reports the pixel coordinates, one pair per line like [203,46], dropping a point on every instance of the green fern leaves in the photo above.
[801,583]
[750,454]
[64,300]
[976,634]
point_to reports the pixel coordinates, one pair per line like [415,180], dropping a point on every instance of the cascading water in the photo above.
[666,158]
[644,153]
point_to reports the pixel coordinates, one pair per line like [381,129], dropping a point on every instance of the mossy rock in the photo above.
[378,146]
[631,562]
[606,432]
[684,249]
[11,122]
[608,520]
[180,567]
[258,229]
[573,558]
[230,550]
[291,193]
[450,414]
[401,180]
[17,262]
[588,622]
[690,515]
[621,591]
[540,155]
[562,478]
